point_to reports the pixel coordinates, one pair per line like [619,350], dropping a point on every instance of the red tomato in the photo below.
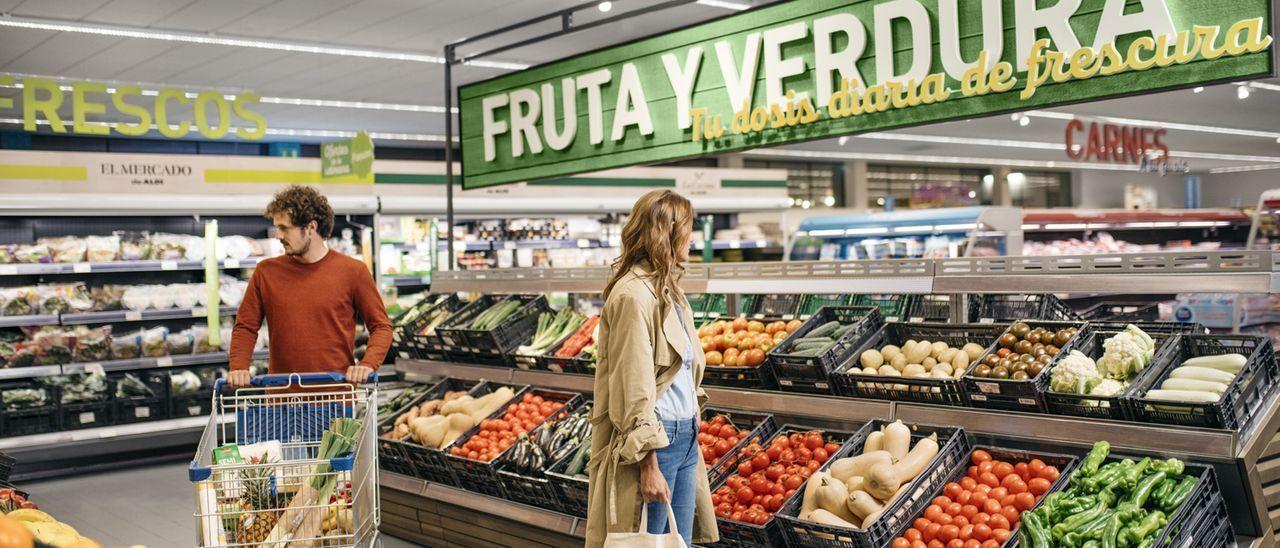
[918,544]
[973,472]
[955,543]
[972,544]
[979,456]
[1050,473]
[944,519]
[1011,514]
[1008,480]
[727,431]
[813,465]
[788,494]
[952,509]
[998,522]
[736,516]
[1021,470]
[990,544]
[793,482]
[1035,466]
[952,490]
[722,447]
[931,532]
[901,542]
[821,455]
[778,489]
[985,467]
[966,532]
[1001,535]
[1038,486]
[782,442]
[1002,469]
[773,451]
[964,496]
[948,532]
[981,518]
[775,504]
[744,469]
[745,493]
[968,511]
[989,479]
[797,439]
[968,483]
[787,455]
[1024,501]
[981,532]
[991,506]
[913,534]
[774,472]
[813,441]
[998,493]
[942,501]
[831,448]
[1007,500]
[935,543]
[920,524]
[761,486]
[761,461]
[932,512]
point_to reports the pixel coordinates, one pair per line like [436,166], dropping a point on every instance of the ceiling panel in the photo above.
[61,50]
[174,59]
[336,25]
[277,17]
[110,62]
[16,42]
[206,16]
[60,9]
[136,12]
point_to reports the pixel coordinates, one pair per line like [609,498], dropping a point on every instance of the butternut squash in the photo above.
[827,518]
[457,405]
[849,467]
[809,501]
[459,423]
[854,484]
[867,521]
[491,402]
[831,497]
[883,481]
[875,442]
[862,505]
[426,429]
[897,440]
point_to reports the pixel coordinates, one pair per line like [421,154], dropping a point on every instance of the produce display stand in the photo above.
[1244,461]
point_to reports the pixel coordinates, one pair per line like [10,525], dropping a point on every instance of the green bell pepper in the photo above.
[1111,532]
[1135,533]
[1179,494]
[1143,489]
[1171,467]
[1034,533]
[1077,521]
[1094,459]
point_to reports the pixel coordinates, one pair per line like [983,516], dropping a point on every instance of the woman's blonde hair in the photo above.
[660,223]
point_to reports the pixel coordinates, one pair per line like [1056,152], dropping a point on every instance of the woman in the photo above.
[645,420]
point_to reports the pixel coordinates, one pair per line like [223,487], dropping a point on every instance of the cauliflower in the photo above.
[1126,353]
[1072,373]
[1107,387]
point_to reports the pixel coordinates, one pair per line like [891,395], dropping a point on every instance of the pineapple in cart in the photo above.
[259,505]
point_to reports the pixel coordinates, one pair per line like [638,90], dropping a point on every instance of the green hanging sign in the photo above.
[811,69]
[352,156]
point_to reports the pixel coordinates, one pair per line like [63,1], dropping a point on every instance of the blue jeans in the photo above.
[679,464]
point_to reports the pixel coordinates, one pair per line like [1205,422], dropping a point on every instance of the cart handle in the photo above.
[300,379]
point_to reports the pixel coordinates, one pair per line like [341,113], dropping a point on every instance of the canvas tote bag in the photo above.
[643,539]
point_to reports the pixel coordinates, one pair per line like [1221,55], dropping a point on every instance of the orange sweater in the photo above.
[311,312]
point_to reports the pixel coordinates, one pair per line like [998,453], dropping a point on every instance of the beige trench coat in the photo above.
[641,348]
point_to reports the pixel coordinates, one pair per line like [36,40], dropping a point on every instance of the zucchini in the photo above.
[841,331]
[1202,374]
[1188,396]
[1192,384]
[824,329]
[1231,363]
[803,340]
[807,353]
[579,459]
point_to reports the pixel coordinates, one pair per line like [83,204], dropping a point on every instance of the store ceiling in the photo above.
[424,26]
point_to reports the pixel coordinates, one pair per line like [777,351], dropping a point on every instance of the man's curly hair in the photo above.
[303,204]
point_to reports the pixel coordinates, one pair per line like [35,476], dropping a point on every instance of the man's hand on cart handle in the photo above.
[238,378]
[358,374]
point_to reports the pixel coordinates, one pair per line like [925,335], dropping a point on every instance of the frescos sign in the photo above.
[809,69]
[214,115]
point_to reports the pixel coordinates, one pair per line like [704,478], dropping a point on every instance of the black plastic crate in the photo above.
[737,534]
[809,304]
[1203,520]
[392,453]
[35,420]
[752,427]
[741,376]
[429,463]
[1153,328]
[1066,464]
[1122,311]
[932,307]
[1000,307]
[581,364]
[91,414]
[1019,395]
[948,391]
[131,409]
[1236,408]
[450,341]
[707,305]
[424,346]
[572,491]
[496,346]
[812,373]
[6,467]
[1104,407]
[193,404]
[482,477]
[953,453]
[893,306]
[536,490]
[760,307]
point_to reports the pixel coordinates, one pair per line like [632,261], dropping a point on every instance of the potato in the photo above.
[928,364]
[871,358]
[869,371]
[889,371]
[944,367]
[948,354]
[914,370]
[898,362]
[906,347]
[960,361]
[938,347]
[890,351]
[919,352]
[938,373]
[973,350]
[957,373]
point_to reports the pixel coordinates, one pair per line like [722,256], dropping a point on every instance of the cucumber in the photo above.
[808,345]
[807,353]
[823,330]
[579,459]
[803,340]
[841,331]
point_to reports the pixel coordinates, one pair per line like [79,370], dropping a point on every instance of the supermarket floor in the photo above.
[150,506]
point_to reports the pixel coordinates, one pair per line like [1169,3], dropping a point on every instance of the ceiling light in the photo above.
[1157,124]
[237,41]
[791,201]
[843,140]
[1016,178]
[605,6]
[805,204]
[1024,121]
[829,201]
[973,194]
[1016,116]
[1240,169]
[1197,89]
[735,6]
[1264,85]
[1052,163]
[1242,92]
[1045,145]
[287,132]
[880,201]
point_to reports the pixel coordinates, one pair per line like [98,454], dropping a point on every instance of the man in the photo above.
[310,297]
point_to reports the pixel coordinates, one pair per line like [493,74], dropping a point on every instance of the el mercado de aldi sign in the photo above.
[811,69]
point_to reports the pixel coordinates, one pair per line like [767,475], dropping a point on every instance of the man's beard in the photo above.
[298,252]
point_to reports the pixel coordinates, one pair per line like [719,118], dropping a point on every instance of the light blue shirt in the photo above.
[678,402]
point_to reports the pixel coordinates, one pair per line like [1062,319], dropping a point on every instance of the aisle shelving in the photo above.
[39,269]
[113,366]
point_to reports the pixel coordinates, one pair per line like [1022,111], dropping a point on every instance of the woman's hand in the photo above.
[653,487]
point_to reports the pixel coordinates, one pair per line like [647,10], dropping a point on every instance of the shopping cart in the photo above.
[290,462]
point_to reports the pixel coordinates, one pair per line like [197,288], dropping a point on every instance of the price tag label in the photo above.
[977,397]
[230,263]
[141,412]
[199,311]
[94,369]
[168,265]
[81,268]
[891,318]
[108,433]
[788,317]
[986,320]
[584,243]
[822,385]
[1027,401]
[193,410]
[988,387]
[758,316]
[8,269]
[133,315]
[508,245]
[164,361]
[915,319]
[422,246]
[713,315]
[785,382]
[734,244]
[87,418]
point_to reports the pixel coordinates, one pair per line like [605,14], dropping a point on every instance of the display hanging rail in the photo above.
[1253,271]
[39,269]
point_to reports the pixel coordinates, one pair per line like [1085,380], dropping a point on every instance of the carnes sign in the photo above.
[809,69]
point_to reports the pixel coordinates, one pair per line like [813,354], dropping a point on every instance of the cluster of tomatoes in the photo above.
[716,438]
[982,509]
[496,435]
[742,342]
[766,478]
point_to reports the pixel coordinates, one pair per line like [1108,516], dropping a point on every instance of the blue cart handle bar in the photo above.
[295,378]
